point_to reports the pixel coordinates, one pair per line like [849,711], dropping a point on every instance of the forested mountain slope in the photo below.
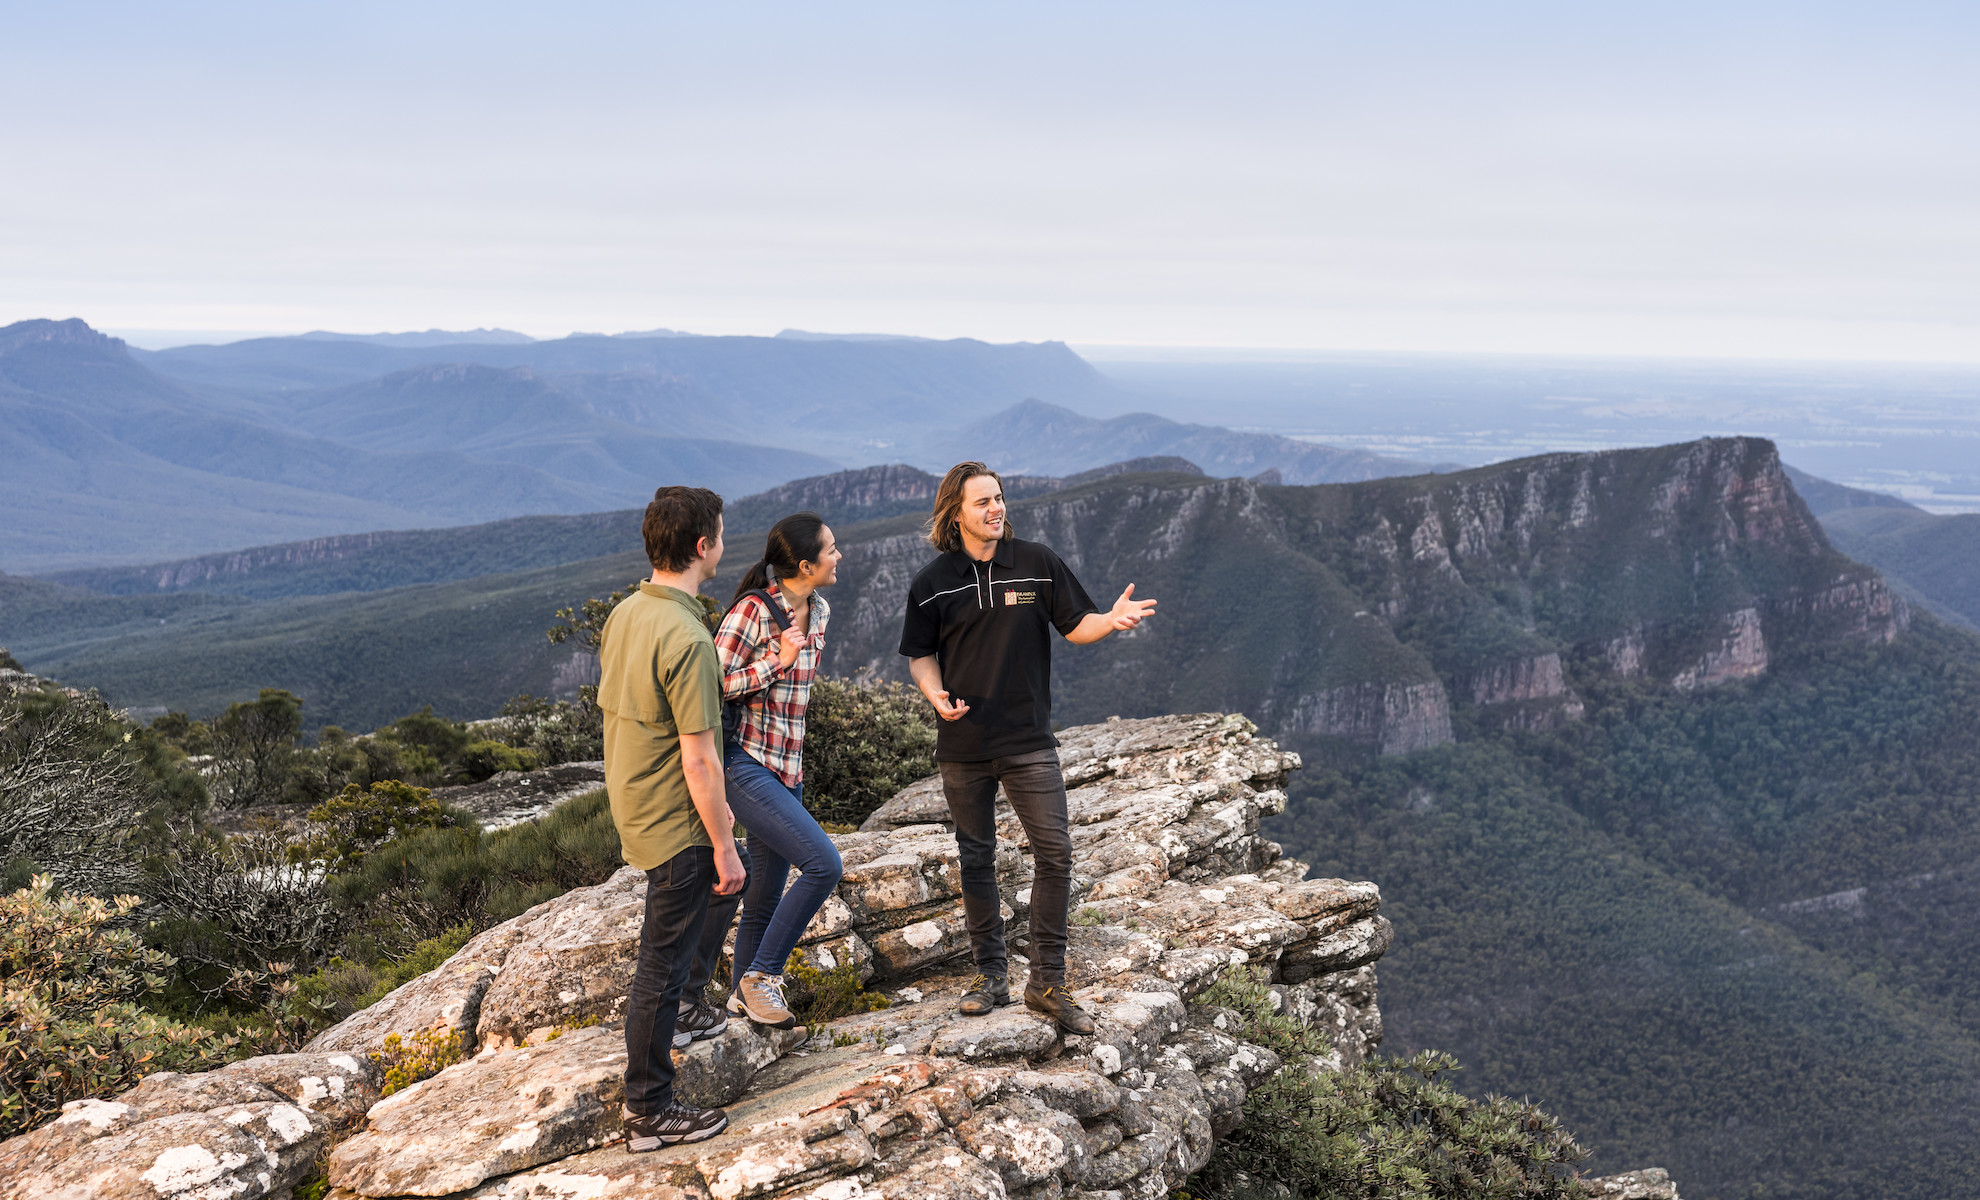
[1932,557]
[371,562]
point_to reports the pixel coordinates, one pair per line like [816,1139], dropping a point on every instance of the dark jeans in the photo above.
[677,896]
[715,931]
[782,835]
[1037,792]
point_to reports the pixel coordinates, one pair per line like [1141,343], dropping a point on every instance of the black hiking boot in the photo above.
[986,993]
[1057,1003]
[698,1021]
[672,1125]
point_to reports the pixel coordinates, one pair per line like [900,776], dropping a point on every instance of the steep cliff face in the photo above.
[1364,612]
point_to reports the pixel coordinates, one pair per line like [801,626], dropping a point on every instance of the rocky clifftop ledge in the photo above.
[1174,887]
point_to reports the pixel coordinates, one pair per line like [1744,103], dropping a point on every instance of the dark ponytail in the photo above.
[794,540]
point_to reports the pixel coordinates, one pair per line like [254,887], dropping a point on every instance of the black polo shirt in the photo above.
[990,626]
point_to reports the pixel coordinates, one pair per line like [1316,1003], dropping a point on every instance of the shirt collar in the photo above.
[694,602]
[1004,556]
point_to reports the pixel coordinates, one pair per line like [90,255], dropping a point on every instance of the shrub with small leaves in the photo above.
[1389,1129]
[555,731]
[425,1054]
[69,1025]
[816,995]
[862,743]
[358,820]
[484,759]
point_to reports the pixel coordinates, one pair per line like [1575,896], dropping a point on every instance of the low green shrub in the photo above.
[407,1060]
[430,880]
[343,986]
[555,731]
[1389,1129]
[358,820]
[862,743]
[816,995]
[70,1028]
[482,759]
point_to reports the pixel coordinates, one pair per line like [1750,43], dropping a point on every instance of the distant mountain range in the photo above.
[128,456]
[1036,438]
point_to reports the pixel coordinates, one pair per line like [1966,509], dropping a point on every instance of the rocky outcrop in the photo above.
[1651,1183]
[1396,718]
[1530,693]
[1740,653]
[1363,611]
[512,797]
[1173,887]
[913,1101]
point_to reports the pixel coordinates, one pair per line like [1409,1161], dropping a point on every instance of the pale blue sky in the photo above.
[1792,180]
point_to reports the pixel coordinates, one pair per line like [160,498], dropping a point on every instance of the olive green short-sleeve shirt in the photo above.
[659,678]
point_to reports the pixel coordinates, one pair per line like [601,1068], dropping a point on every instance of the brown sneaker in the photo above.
[1057,1003]
[672,1125]
[986,992]
[762,999]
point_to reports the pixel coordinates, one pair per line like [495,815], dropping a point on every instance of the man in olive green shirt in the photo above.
[660,686]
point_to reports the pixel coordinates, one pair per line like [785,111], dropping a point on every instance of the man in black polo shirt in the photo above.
[978,636]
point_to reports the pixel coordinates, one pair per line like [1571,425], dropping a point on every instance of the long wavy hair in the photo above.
[944,528]
[793,541]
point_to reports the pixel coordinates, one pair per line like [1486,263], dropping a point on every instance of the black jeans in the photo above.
[677,896]
[1037,792]
[715,931]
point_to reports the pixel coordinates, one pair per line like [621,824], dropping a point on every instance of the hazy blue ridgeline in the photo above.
[1871,425]
[131,457]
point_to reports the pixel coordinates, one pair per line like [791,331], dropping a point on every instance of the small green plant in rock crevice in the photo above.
[1389,1129]
[425,1054]
[816,995]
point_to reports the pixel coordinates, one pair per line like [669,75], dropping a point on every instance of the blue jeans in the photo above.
[782,835]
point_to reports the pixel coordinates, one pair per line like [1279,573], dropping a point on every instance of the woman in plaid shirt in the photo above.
[770,672]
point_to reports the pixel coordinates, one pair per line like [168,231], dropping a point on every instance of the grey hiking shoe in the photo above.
[1057,1003]
[986,992]
[671,1126]
[698,1021]
[762,999]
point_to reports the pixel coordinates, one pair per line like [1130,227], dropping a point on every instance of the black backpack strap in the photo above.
[732,709]
[776,610]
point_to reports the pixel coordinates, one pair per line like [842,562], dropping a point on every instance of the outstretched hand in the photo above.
[947,709]
[1127,611]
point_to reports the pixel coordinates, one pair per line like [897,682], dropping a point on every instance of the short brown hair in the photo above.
[675,523]
[943,530]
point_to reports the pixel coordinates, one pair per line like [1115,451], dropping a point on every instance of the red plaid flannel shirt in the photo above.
[772,729]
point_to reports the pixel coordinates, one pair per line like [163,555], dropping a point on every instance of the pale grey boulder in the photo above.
[445,998]
[252,1128]
[501,1112]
